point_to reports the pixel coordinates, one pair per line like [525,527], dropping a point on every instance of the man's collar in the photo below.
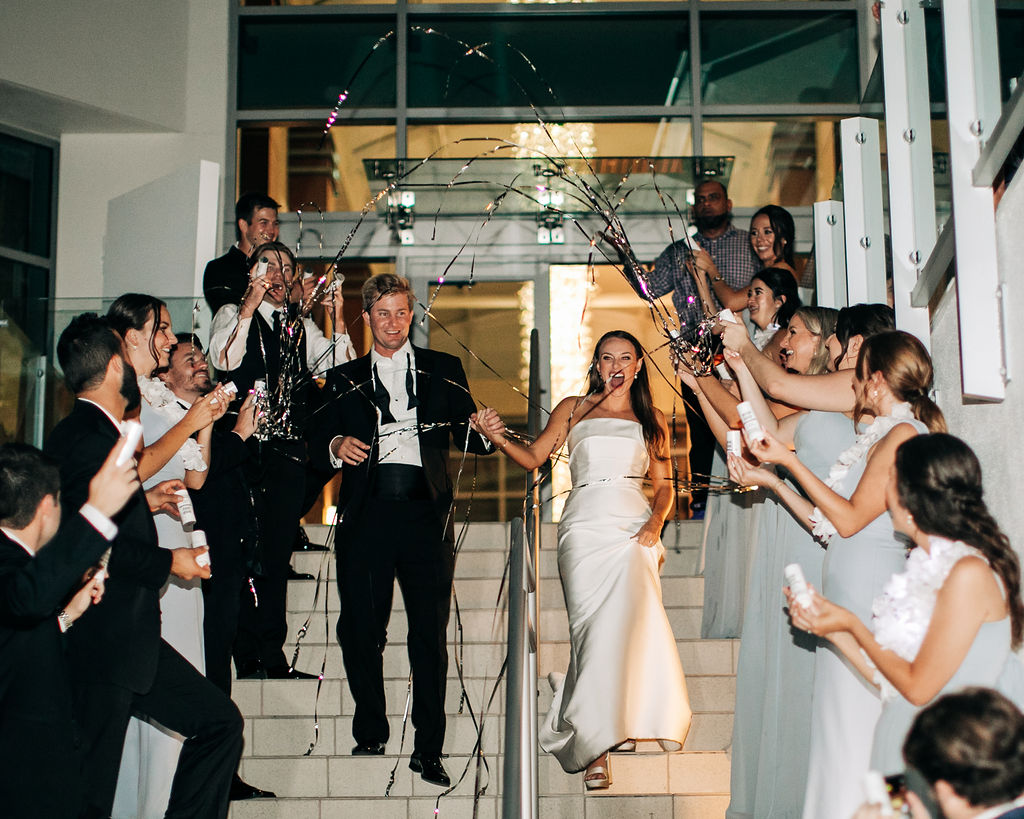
[267,310]
[13,537]
[728,232]
[105,411]
[400,353]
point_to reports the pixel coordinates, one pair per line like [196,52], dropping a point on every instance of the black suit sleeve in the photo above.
[227,451]
[135,554]
[327,421]
[35,590]
[461,405]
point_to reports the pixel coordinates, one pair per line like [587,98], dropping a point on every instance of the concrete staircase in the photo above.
[330,783]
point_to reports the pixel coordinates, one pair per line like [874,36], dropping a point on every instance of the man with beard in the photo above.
[736,261]
[116,655]
[223,510]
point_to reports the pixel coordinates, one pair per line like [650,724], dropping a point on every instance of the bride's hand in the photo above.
[649,533]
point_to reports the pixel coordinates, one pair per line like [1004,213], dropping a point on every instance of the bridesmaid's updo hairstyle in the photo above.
[821,321]
[864,320]
[907,368]
[938,479]
[639,392]
[131,312]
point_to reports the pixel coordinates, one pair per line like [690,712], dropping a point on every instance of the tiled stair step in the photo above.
[580,806]
[482,593]
[366,777]
[484,659]
[489,537]
[490,564]
[280,698]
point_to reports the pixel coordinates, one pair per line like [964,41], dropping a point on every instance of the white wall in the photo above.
[993,430]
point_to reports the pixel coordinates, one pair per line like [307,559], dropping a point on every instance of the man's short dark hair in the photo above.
[248,204]
[26,477]
[974,740]
[84,351]
[187,340]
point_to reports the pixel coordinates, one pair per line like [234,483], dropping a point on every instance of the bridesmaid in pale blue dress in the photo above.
[774,668]
[893,377]
[731,523]
[954,617]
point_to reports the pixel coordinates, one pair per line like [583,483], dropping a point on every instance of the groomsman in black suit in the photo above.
[42,594]
[387,423]
[120,662]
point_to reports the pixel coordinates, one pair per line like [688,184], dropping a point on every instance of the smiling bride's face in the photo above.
[617,364]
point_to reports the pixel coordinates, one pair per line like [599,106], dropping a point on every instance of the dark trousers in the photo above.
[279,488]
[222,599]
[403,539]
[702,446]
[183,700]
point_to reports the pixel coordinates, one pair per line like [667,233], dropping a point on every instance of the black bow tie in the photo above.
[382,398]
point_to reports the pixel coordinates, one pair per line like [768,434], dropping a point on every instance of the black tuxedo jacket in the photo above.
[225,279]
[120,641]
[443,396]
[36,719]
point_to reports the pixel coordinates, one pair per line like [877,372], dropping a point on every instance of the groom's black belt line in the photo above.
[399,482]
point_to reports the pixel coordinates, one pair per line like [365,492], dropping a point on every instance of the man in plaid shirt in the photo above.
[736,261]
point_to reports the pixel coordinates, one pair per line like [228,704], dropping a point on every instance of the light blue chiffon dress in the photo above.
[775,677]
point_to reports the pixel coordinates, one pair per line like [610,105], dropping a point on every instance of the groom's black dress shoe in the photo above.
[242,790]
[430,769]
[368,749]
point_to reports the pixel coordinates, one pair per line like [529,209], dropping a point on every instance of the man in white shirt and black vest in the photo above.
[387,423]
[267,338]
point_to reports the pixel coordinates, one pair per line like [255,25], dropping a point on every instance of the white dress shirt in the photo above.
[399,441]
[319,354]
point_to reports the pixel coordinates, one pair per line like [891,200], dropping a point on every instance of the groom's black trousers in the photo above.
[404,539]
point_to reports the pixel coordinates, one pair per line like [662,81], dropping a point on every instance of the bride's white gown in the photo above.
[625,680]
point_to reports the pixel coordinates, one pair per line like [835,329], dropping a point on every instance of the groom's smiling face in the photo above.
[389,319]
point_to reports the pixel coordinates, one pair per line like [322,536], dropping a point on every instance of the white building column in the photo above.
[862,208]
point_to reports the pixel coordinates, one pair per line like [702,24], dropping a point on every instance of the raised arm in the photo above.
[489,424]
[201,414]
[867,501]
[782,428]
[830,391]
[969,597]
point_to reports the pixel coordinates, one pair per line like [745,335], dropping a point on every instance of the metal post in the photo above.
[862,209]
[830,254]
[908,139]
[39,401]
[972,85]
[533,567]
[515,794]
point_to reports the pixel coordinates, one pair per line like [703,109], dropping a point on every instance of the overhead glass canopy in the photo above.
[513,186]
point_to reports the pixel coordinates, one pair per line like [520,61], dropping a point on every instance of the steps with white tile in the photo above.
[331,783]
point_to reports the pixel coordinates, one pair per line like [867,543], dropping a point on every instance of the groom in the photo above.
[387,424]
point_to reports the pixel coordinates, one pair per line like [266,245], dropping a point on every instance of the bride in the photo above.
[625,682]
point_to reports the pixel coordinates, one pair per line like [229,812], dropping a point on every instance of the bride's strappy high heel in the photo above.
[598,776]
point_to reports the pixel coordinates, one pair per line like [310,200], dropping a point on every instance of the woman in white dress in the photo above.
[954,616]
[625,681]
[151,753]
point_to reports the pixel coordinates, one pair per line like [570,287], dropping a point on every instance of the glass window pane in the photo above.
[288,162]
[779,57]
[289,62]
[26,184]
[655,48]
[783,162]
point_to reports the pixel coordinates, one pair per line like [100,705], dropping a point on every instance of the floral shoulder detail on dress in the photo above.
[159,396]
[823,529]
[902,613]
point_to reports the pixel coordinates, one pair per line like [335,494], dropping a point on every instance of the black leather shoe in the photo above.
[294,575]
[283,672]
[368,749]
[304,544]
[430,769]
[241,790]
[250,670]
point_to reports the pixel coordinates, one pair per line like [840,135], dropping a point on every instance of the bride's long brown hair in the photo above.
[639,392]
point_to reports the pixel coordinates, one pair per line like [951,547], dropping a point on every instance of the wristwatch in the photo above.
[65,620]
[718,278]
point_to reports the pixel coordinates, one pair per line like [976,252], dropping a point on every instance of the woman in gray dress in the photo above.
[953,617]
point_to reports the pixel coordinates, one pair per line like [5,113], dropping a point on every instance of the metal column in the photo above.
[972,83]
[862,209]
[908,139]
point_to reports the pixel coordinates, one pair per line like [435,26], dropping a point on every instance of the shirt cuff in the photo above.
[336,462]
[100,522]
